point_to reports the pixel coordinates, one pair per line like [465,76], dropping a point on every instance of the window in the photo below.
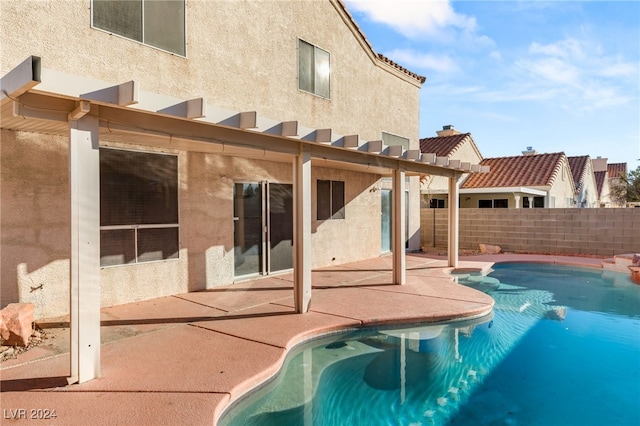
[435,203]
[538,202]
[500,203]
[314,69]
[389,140]
[157,23]
[330,199]
[138,207]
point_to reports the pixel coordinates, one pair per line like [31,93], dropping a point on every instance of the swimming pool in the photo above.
[562,347]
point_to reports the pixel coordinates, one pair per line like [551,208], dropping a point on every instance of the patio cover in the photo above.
[35,99]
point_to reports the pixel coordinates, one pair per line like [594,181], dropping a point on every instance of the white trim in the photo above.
[505,190]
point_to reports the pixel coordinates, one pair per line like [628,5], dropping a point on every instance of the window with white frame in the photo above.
[138,207]
[314,69]
[330,199]
[157,23]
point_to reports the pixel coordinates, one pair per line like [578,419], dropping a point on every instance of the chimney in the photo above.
[447,130]
[599,164]
[529,151]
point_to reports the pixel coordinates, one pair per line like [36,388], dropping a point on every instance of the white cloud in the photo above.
[578,74]
[415,19]
[423,61]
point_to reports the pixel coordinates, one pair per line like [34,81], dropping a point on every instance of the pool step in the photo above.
[620,262]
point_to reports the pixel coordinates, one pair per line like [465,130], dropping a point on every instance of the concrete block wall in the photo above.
[603,232]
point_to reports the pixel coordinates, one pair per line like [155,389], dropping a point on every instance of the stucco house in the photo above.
[530,180]
[184,145]
[585,181]
[608,175]
[449,147]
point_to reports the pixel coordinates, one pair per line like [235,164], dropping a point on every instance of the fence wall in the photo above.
[596,231]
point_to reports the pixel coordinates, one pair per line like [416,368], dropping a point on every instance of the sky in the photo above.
[554,76]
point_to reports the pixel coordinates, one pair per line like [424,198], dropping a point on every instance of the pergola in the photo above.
[39,100]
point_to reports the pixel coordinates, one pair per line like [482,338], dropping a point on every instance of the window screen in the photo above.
[158,23]
[485,204]
[138,207]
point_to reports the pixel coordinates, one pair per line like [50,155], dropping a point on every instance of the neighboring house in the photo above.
[226,140]
[602,183]
[585,181]
[612,173]
[452,145]
[525,181]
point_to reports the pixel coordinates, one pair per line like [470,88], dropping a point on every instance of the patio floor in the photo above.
[183,359]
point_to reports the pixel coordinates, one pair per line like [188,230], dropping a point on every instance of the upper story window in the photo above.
[314,69]
[389,140]
[158,23]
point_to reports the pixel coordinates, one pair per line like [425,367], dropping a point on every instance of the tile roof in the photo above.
[443,146]
[521,170]
[578,165]
[616,169]
[382,58]
[600,177]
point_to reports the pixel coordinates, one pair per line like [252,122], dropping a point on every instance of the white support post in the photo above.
[398,234]
[84,177]
[302,231]
[453,221]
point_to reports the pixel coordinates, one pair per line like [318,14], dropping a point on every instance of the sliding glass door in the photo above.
[263,228]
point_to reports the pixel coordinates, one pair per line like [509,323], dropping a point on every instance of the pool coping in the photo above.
[186,359]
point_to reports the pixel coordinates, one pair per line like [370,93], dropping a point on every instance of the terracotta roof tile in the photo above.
[522,170]
[420,78]
[616,169]
[600,177]
[578,165]
[442,146]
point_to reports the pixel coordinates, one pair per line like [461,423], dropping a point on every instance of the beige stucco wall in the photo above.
[35,234]
[241,55]
[35,230]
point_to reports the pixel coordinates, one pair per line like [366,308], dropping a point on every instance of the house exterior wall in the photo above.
[605,194]
[35,229]
[238,63]
[588,195]
[562,189]
[602,232]
[241,56]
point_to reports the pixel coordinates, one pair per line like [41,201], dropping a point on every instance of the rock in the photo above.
[636,259]
[488,248]
[635,274]
[17,323]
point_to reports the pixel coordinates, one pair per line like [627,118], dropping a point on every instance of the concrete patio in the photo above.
[183,359]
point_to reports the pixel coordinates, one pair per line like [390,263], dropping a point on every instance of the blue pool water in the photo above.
[561,348]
